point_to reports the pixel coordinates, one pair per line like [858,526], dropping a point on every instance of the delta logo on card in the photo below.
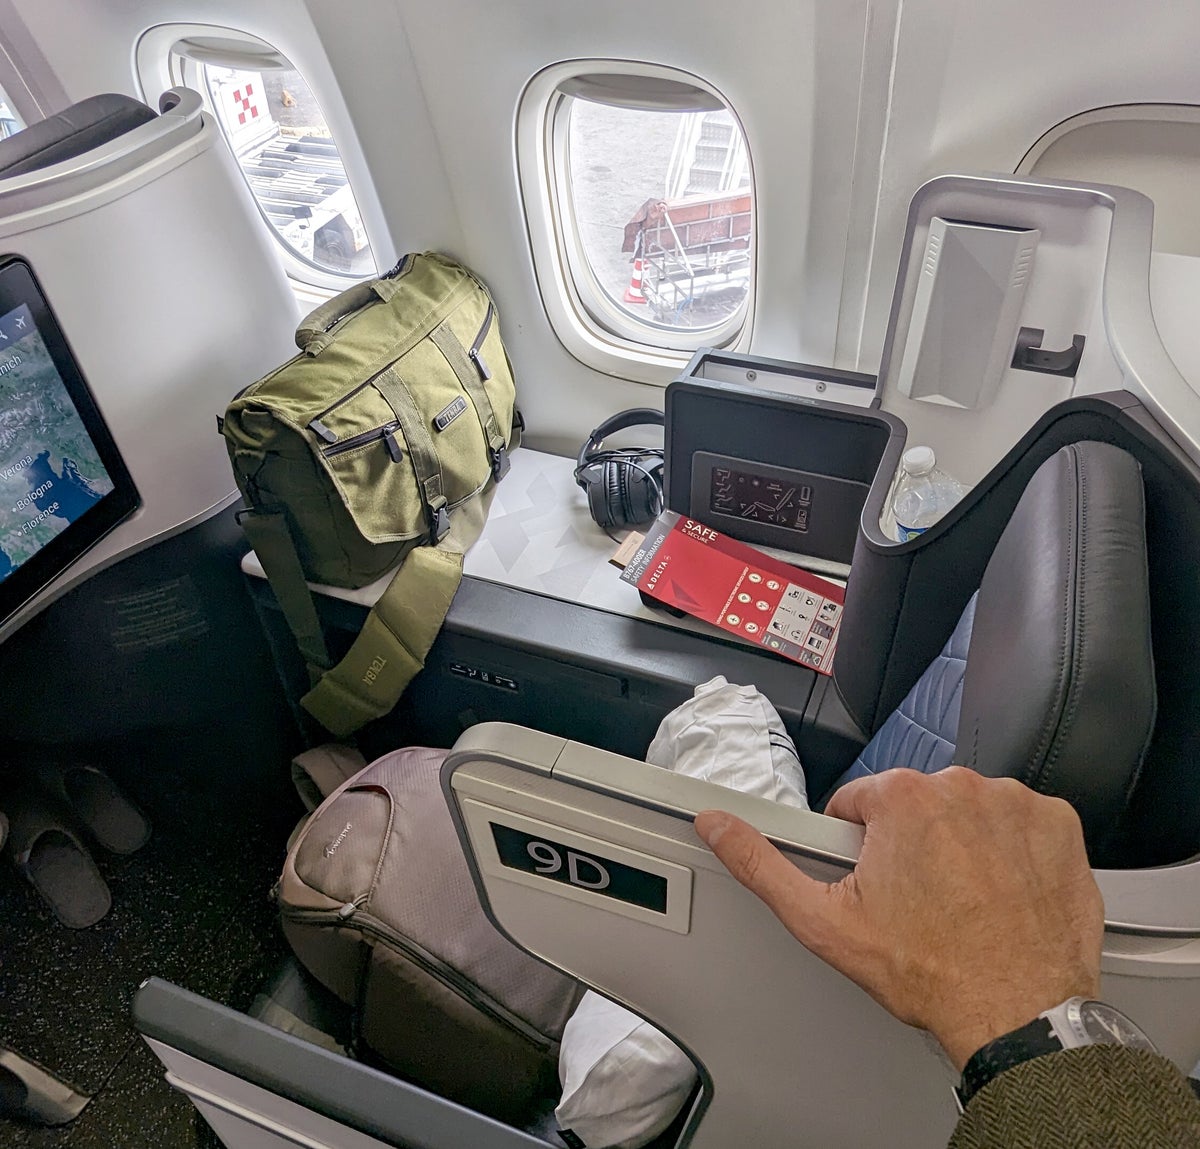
[693,568]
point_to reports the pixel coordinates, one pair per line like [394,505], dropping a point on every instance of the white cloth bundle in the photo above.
[733,736]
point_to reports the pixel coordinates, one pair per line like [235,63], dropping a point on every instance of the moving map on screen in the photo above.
[50,470]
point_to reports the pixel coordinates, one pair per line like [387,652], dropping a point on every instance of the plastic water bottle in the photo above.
[923,494]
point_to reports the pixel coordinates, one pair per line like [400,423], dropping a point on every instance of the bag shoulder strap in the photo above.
[268,532]
[395,640]
[392,645]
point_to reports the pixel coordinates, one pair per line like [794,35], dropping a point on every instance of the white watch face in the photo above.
[1104,1025]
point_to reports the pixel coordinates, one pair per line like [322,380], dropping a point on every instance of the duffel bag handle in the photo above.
[315,331]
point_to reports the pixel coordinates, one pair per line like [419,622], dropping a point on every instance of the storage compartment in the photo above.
[775,469]
[509,656]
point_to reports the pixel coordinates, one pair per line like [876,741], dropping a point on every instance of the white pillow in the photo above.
[623,1081]
[733,736]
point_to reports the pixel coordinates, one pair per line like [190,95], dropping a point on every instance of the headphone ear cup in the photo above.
[614,494]
[597,493]
[658,501]
[622,496]
[620,492]
[643,495]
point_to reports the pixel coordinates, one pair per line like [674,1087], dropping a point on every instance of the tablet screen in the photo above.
[62,482]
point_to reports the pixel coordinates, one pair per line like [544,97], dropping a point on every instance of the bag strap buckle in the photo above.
[501,463]
[439,524]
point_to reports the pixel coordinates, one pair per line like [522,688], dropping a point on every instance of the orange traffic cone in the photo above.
[633,293]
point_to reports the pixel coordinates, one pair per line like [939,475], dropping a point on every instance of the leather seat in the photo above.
[1049,675]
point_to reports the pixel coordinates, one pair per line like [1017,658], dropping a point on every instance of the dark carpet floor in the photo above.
[192,907]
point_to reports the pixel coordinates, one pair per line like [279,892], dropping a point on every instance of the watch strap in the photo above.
[1011,1049]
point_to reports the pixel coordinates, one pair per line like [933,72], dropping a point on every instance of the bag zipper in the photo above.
[441,971]
[475,354]
[387,433]
[316,424]
[395,271]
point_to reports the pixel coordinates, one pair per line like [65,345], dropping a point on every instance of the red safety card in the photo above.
[740,589]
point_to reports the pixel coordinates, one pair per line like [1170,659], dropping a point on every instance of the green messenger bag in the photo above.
[377,445]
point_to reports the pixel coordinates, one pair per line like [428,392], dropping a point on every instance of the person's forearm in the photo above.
[1097,1095]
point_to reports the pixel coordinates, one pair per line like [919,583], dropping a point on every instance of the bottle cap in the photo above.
[918,460]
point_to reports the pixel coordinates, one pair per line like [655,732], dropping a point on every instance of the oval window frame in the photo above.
[161,64]
[584,318]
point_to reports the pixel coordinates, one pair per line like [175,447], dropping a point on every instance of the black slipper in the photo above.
[55,862]
[93,797]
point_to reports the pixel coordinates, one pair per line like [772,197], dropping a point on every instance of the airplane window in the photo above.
[638,191]
[287,154]
[663,207]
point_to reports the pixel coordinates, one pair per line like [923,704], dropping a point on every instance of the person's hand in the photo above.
[971,910]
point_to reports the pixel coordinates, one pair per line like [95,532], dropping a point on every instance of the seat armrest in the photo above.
[652,788]
[829,740]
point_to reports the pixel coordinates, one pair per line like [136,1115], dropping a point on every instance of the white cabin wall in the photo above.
[847,109]
[34,87]
[791,72]
[974,87]
[372,64]
[354,57]
[434,126]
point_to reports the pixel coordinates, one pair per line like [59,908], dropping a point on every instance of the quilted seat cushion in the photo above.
[920,732]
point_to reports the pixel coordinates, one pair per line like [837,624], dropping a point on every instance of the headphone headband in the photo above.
[637,417]
[623,484]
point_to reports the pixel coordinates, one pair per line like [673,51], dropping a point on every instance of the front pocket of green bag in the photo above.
[376,481]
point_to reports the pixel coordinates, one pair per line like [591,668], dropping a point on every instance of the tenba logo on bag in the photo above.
[449,413]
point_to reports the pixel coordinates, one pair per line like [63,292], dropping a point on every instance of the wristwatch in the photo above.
[1077,1021]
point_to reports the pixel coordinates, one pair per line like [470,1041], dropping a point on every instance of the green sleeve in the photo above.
[1098,1095]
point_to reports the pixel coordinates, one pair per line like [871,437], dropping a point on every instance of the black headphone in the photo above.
[623,484]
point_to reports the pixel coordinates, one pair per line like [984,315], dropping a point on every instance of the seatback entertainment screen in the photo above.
[63,484]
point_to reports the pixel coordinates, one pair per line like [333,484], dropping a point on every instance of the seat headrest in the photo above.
[72,132]
[1059,689]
